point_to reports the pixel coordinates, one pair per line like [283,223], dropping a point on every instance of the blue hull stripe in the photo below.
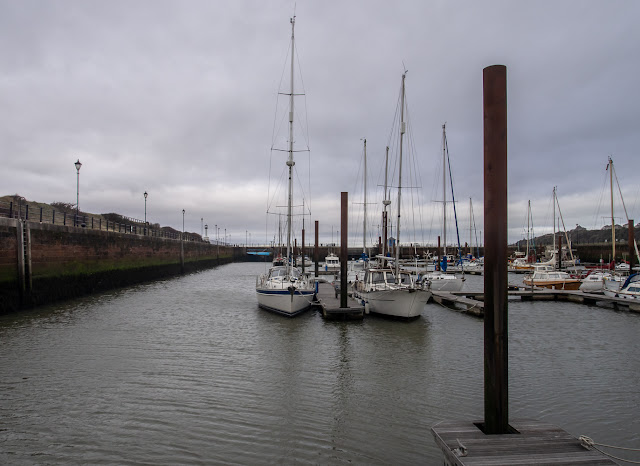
[285,292]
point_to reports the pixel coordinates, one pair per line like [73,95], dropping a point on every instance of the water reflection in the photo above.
[190,370]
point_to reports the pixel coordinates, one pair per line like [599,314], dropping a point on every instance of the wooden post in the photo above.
[632,249]
[437,264]
[344,250]
[316,252]
[496,396]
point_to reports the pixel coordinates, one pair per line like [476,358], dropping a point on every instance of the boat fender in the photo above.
[366,308]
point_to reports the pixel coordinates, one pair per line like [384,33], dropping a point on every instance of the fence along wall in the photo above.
[42,263]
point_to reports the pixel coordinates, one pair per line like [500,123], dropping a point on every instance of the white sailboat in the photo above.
[283,289]
[387,291]
[438,280]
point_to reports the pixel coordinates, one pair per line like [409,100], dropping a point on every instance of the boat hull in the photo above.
[554,285]
[284,301]
[402,303]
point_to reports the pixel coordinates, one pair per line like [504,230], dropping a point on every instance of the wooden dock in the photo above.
[534,443]
[472,301]
[328,304]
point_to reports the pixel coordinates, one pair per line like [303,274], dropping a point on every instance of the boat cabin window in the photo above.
[282,272]
[376,277]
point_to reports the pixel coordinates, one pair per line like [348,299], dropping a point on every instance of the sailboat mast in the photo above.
[402,131]
[385,202]
[444,191]
[613,225]
[290,162]
[364,221]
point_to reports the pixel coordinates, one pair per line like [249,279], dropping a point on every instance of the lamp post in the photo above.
[206,231]
[78,165]
[145,212]
[183,222]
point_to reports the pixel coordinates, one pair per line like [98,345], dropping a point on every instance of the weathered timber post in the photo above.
[496,395]
[437,264]
[632,248]
[316,252]
[344,251]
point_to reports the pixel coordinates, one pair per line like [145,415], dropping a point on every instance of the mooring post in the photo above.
[437,264]
[632,247]
[496,399]
[344,251]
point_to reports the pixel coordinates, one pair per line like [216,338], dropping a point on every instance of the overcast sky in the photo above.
[178,99]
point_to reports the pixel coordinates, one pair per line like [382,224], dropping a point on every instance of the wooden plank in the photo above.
[536,443]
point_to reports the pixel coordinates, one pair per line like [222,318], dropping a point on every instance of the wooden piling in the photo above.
[344,250]
[496,396]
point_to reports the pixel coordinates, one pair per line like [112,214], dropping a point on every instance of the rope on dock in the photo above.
[589,444]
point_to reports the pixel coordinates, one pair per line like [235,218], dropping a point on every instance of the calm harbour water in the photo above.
[190,371]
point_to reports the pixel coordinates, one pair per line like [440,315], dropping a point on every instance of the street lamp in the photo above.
[78,165]
[183,223]
[145,207]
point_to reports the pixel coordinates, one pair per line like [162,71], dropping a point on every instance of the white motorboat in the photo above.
[332,263]
[630,289]
[283,289]
[594,281]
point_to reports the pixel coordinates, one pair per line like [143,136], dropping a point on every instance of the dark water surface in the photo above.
[190,371]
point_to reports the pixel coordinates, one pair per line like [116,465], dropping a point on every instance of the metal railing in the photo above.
[57,217]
